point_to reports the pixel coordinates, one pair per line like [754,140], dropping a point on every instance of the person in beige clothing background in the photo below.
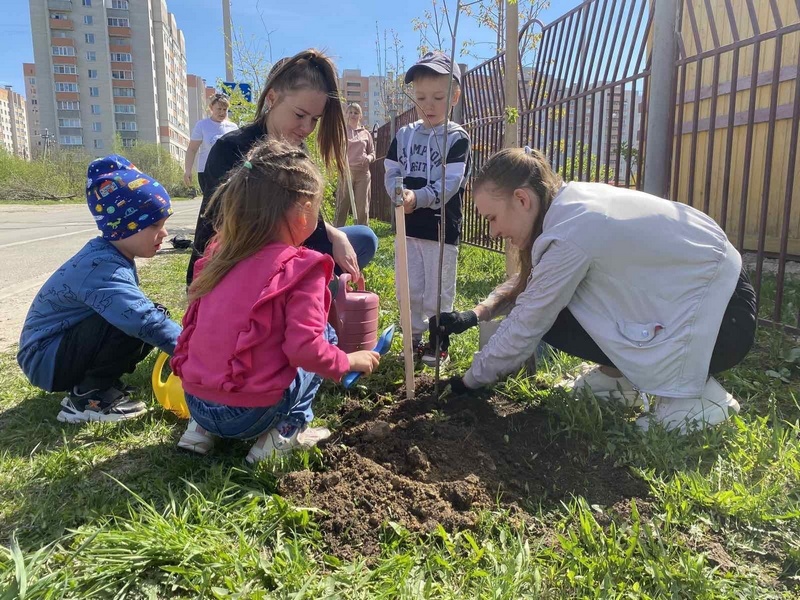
[360,154]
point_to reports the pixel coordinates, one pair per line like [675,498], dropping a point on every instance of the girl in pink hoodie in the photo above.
[256,341]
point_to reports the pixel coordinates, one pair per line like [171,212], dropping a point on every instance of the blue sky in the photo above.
[345,28]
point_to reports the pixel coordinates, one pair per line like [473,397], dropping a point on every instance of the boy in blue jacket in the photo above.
[91,323]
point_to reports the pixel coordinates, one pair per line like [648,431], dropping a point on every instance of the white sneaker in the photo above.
[605,387]
[196,439]
[273,444]
[713,407]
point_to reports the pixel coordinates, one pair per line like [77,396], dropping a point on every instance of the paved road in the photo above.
[36,240]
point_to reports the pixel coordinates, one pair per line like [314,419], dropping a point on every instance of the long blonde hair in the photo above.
[515,168]
[274,178]
[312,69]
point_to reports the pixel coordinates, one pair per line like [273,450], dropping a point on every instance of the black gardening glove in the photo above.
[457,386]
[450,323]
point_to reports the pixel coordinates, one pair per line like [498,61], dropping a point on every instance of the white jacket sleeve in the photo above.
[550,288]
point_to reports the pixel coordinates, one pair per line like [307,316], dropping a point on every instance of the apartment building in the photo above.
[355,88]
[377,95]
[13,123]
[604,123]
[376,112]
[173,99]
[199,95]
[35,139]
[107,68]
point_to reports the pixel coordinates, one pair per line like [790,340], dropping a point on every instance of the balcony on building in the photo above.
[119,48]
[59,5]
[61,24]
[119,31]
[54,41]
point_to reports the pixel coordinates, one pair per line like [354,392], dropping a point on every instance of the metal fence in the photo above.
[483,118]
[586,103]
[585,100]
[380,204]
[736,133]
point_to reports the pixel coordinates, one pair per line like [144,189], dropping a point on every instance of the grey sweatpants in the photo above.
[423,284]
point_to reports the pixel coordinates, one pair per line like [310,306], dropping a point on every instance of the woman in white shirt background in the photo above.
[205,133]
[360,154]
[649,289]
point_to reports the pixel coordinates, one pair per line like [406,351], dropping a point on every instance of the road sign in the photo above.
[243,87]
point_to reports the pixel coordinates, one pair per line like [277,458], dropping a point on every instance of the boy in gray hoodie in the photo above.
[418,154]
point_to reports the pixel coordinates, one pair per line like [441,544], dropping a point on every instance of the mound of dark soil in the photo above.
[424,462]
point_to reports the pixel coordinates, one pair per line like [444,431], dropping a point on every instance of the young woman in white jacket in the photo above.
[649,289]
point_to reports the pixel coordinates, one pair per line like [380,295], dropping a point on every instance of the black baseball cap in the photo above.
[435,61]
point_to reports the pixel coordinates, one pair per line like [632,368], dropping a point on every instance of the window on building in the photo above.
[126,125]
[59,16]
[63,51]
[95,109]
[69,105]
[70,140]
[94,92]
[98,144]
[32,80]
[92,73]
[89,37]
[66,87]
[34,101]
[120,4]
[69,123]
[124,92]
[65,69]
[118,22]
[121,74]
[87,2]
[128,109]
[88,19]
[91,55]
[97,126]
[121,57]
[61,34]
[128,142]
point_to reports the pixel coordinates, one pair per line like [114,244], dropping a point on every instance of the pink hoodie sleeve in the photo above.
[306,317]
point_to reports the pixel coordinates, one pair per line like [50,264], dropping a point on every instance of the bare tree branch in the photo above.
[434,26]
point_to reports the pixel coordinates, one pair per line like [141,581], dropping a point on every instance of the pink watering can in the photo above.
[354,316]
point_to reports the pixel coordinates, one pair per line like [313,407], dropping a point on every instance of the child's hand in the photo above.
[364,361]
[409,201]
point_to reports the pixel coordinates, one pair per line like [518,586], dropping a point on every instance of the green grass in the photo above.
[115,511]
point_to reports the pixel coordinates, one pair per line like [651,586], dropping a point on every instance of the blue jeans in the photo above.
[294,408]
[361,237]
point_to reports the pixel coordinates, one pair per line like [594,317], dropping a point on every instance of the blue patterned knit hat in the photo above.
[122,199]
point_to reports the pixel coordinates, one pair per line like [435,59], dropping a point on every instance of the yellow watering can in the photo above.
[169,393]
